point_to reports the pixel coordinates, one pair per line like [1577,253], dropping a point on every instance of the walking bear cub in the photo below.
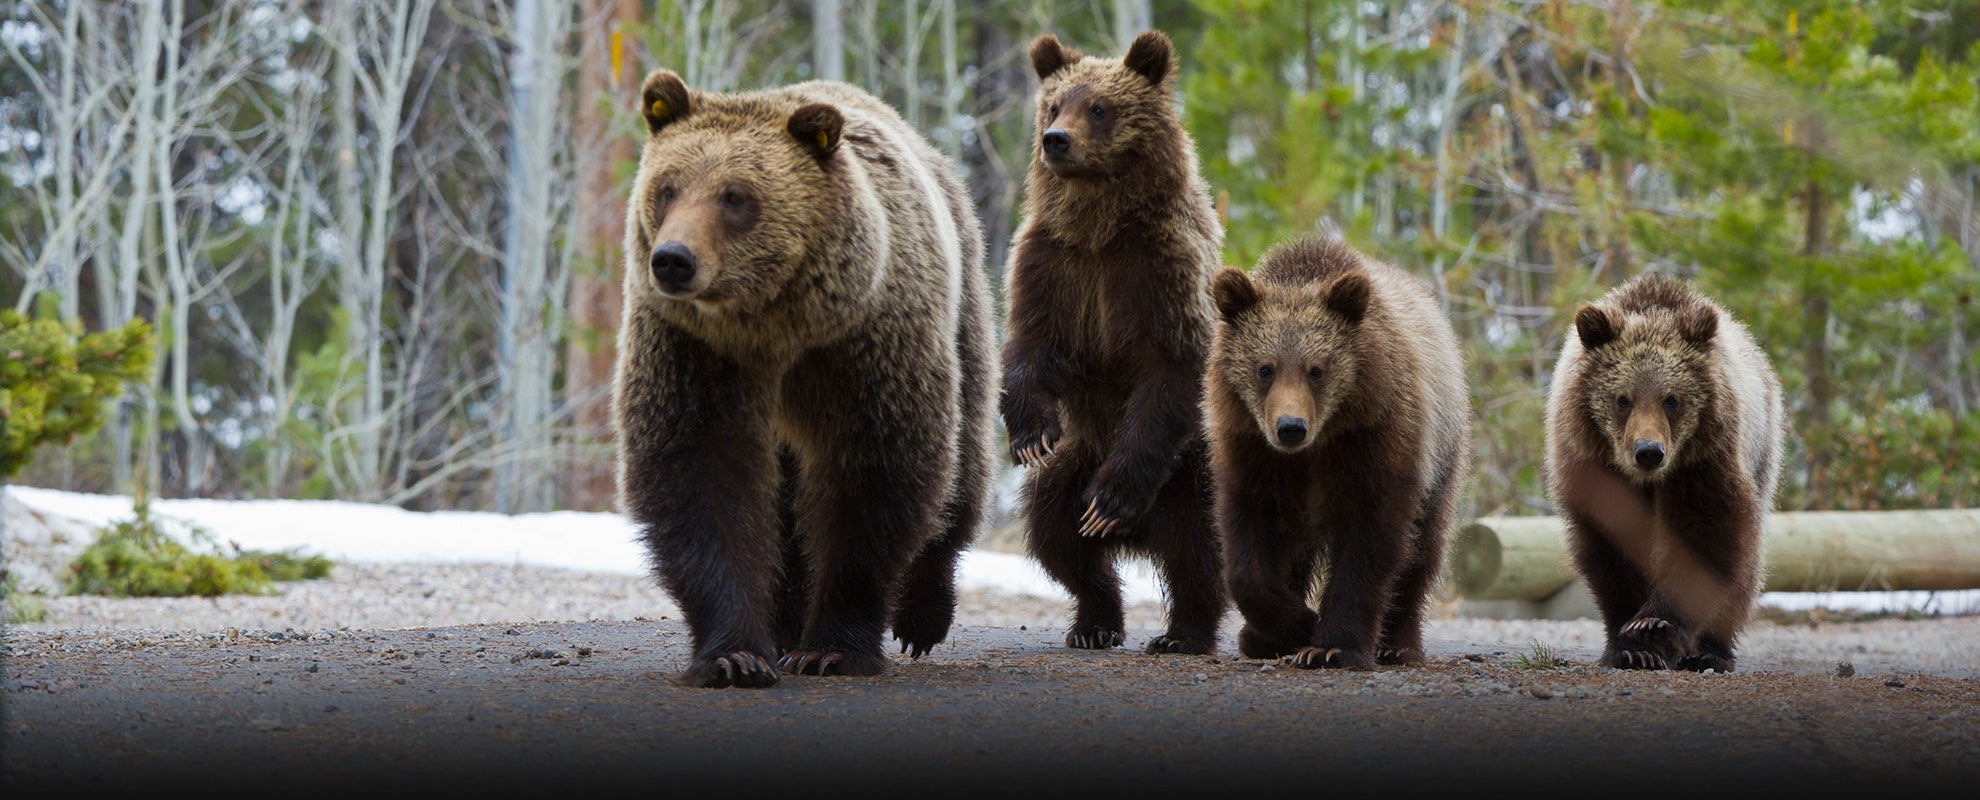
[1664,436]
[804,386]
[1340,429]
[1109,321]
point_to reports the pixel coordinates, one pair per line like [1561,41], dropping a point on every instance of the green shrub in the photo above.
[134,558]
[24,607]
[54,380]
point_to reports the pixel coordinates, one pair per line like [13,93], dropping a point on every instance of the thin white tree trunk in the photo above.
[828,40]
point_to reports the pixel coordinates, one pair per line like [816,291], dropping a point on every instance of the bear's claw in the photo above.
[1093,639]
[1094,523]
[1639,659]
[740,669]
[1176,644]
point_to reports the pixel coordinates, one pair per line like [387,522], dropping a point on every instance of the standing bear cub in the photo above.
[1108,325]
[1664,436]
[804,385]
[1340,426]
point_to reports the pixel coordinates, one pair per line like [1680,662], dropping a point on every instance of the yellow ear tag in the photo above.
[824,140]
[659,108]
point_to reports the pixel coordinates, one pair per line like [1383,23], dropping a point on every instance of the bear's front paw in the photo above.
[1172,643]
[1319,656]
[1705,661]
[1662,637]
[1634,659]
[741,669]
[919,626]
[1398,656]
[1108,511]
[1254,643]
[829,661]
[1034,436]
[1092,637]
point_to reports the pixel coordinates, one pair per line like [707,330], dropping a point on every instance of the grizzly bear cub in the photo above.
[1108,325]
[1664,436]
[804,387]
[1340,431]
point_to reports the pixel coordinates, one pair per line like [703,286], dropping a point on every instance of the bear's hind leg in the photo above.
[927,605]
[1182,540]
[795,590]
[862,524]
[1085,567]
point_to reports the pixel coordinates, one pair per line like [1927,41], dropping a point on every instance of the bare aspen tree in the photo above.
[1131,17]
[828,40]
[533,278]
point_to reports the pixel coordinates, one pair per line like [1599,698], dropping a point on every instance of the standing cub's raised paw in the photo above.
[741,669]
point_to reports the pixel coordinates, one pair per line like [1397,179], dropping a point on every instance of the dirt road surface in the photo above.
[586,706]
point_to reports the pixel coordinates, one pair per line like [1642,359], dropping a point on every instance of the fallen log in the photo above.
[1526,558]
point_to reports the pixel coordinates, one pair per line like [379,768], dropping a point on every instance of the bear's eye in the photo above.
[667,194]
[1313,374]
[1097,111]
[1265,372]
[1670,402]
[1622,402]
[1055,110]
[730,199]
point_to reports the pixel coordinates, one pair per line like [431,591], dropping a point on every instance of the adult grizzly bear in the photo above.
[1108,325]
[1664,431]
[1340,427]
[803,392]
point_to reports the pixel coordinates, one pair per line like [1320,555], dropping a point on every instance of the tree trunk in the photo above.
[595,284]
[1526,558]
[1815,414]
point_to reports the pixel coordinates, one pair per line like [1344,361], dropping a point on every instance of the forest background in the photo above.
[378,240]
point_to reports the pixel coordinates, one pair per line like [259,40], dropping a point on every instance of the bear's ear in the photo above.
[817,128]
[1596,326]
[1698,325]
[663,99]
[1349,295]
[1048,56]
[1234,293]
[1151,55]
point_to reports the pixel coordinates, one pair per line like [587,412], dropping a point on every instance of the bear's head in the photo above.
[1646,381]
[1290,353]
[731,194]
[1101,116]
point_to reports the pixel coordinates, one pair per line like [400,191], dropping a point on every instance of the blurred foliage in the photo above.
[55,380]
[137,558]
[1811,164]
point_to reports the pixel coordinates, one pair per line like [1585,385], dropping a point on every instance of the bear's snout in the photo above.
[673,267]
[1056,142]
[1649,455]
[1291,431]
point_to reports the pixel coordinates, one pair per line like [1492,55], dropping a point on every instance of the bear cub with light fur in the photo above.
[1340,429]
[1664,436]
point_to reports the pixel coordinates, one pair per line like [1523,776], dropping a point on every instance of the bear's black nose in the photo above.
[1057,142]
[1649,455]
[673,266]
[1292,430]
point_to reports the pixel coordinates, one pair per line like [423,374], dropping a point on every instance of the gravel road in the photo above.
[506,678]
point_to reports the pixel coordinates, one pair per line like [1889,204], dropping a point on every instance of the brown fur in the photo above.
[1656,370]
[1357,358]
[804,423]
[1109,323]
